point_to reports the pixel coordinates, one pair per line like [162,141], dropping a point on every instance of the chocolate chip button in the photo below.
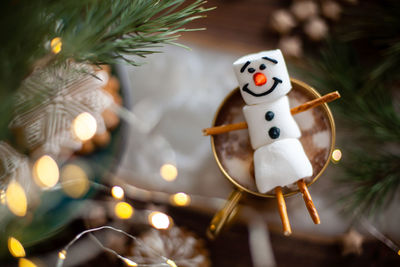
[274,132]
[269,115]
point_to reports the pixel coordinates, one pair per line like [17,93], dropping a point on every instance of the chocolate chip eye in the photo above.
[262,67]
[251,70]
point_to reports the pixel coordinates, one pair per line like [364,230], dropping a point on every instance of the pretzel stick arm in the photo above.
[308,201]
[303,107]
[315,102]
[225,128]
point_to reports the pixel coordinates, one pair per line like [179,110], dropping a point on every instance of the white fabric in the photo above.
[280,163]
[259,125]
[273,70]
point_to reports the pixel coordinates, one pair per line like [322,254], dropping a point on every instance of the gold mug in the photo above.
[240,155]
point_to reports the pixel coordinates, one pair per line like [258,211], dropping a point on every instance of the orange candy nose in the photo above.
[259,79]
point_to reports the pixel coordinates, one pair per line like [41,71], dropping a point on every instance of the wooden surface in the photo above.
[237,25]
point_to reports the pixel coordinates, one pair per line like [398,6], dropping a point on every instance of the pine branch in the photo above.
[365,70]
[373,180]
[91,31]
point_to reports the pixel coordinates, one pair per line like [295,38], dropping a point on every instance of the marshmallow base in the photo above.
[279,164]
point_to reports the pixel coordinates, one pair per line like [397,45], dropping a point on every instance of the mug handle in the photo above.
[225,215]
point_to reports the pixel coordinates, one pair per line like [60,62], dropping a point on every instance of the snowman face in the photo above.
[262,77]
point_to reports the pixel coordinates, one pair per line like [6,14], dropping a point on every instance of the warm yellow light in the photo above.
[336,155]
[84,126]
[181,199]
[26,263]
[56,45]
[117,192]
[75,182]
[168,172]
[171,263]
[45,172]
[15,247]
[123,210]
[3,197]
[129,262]
[16,199]
[159,220]
[62,254]
[398,252]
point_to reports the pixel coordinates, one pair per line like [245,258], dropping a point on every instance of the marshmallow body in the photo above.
[262,77]
[280,163]
[270,122]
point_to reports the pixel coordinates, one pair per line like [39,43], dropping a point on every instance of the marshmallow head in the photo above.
[262,77]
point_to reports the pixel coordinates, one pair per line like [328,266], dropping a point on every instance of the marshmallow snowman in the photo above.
[279,157]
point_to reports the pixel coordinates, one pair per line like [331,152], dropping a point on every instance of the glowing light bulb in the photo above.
[16,199]
[129,262]
[84,126]
[336,155]
[123,210]
[62,254]
[159,220]
[171,263]
[15,247]
[117,192]
[75,182]
[398,252]
[168,172]
[45,172]
[26,263]
[181,199]
[56,45]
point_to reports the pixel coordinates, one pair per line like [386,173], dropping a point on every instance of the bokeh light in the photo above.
[3,197]
[75,182]
[62,254]
[130,262]
[84,126]
[123,210]
[45,172]
[16,199]
[171,263]
[26,263]
[336,155]
[56,45]
[168,172]
[117,192]
[159,220]
[180,199]
[15,247]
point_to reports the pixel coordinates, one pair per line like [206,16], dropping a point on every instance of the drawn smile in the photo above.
[247,90]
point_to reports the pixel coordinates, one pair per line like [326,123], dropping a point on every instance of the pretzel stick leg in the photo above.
[303,107]
[282,211]
[308,201]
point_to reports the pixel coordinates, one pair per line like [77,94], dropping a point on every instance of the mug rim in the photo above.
[240,187]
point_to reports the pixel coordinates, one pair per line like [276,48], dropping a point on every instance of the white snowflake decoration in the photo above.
[50,99]
[13,166]
[182,246]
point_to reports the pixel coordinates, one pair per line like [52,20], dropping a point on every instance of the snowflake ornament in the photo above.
[13,166]
[50,99]
[180,245]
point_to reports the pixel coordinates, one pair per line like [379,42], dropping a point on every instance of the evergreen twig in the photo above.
[366,76]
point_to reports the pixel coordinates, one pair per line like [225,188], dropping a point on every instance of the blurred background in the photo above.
[103,159]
